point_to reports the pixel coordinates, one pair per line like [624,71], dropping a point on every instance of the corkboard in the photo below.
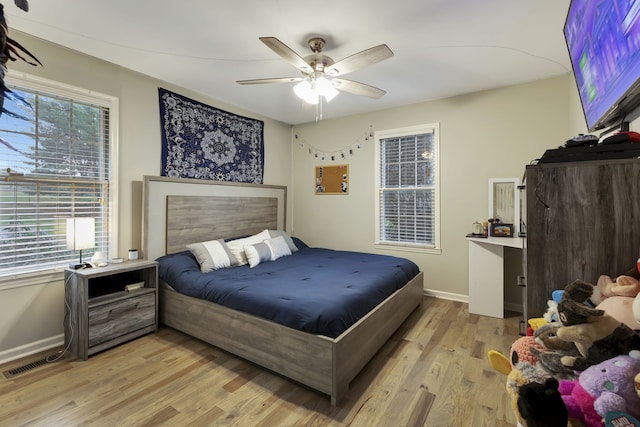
[332,179]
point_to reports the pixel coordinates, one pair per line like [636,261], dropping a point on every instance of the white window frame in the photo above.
[400,132]
[28,81]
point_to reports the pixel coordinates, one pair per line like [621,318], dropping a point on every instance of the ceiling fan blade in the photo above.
[286,53]
[360,60]
[357,88]
[273,80]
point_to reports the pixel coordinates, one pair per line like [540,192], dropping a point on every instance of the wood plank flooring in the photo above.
[432,372]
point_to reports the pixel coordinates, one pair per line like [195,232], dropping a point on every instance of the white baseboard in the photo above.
[511,306]
[31,348]
[447,295]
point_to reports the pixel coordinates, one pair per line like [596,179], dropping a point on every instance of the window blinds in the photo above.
[54,153]
[407,189]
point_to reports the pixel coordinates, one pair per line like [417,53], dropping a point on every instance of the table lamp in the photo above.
[81,234]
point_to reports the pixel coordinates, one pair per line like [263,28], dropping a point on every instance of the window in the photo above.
[407,211]
[55,161]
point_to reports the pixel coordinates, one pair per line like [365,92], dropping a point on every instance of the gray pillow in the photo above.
[257,253]
[287,238]
[212,255]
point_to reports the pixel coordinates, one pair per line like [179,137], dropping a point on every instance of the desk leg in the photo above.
[486,279]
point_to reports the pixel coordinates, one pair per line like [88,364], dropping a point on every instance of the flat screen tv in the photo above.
[603,38]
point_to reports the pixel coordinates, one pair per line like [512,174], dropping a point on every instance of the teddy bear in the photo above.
[597,335]
[603,388]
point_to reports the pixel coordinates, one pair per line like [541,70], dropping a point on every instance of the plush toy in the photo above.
[625,285]
[547,336]
[621,286]
[572,309]
[621,309]
[620,419]
[551,315]
[519,375]
[541,405]
[603,388]
[520,351]
[597,335]
[535,323]
[552,351]
[522,374]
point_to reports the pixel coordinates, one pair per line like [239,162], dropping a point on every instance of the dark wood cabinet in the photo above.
[583,220]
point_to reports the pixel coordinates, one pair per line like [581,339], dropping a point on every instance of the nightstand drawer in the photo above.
[115,319]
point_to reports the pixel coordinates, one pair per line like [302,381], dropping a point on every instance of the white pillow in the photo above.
[257,253]
[212,255]
[237,246]
[287,238]
[278,247]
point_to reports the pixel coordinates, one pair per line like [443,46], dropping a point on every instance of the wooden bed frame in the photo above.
[171,220]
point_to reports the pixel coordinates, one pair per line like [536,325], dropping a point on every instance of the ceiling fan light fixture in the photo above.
[305,91]
[325,88]
[321,73]
[312,88]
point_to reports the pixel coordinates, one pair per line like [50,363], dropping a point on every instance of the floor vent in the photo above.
[11,373]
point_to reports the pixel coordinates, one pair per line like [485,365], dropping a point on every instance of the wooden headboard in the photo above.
[177,212]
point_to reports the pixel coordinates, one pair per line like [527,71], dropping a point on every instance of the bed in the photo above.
[178,212]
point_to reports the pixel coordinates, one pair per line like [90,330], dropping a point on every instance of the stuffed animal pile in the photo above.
[579,364]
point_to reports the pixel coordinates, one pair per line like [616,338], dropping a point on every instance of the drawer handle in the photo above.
[118,310]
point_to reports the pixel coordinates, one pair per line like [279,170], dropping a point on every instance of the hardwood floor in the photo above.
[432,372]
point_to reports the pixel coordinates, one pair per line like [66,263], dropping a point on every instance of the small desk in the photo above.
[486,273]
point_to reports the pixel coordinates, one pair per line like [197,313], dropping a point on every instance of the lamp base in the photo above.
[80,266]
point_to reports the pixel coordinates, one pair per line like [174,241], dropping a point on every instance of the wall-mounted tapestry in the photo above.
[203,142]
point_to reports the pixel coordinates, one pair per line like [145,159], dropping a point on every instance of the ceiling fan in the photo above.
[319,71]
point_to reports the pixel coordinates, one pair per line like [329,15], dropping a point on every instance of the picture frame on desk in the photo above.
[502,230]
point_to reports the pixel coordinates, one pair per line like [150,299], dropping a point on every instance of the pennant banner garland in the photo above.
[336,154]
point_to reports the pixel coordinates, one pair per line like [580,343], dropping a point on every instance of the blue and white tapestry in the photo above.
[203,142]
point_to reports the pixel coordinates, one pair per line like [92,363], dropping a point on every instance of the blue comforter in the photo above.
[321,291]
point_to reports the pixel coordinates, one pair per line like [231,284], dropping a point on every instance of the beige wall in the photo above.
[139,133]
[31,315]
[491,134]
[483,135]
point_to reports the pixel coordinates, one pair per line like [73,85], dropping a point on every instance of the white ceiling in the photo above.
[442,47]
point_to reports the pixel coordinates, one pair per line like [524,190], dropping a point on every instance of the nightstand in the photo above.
[107,306]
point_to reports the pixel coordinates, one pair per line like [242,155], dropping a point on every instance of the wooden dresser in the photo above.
[583,220]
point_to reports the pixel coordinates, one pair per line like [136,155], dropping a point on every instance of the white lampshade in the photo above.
[325,88]
[313,87]
[81,233]
[305,91]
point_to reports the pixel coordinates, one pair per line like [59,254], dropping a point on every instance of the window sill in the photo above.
[406,247]
[21,280]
